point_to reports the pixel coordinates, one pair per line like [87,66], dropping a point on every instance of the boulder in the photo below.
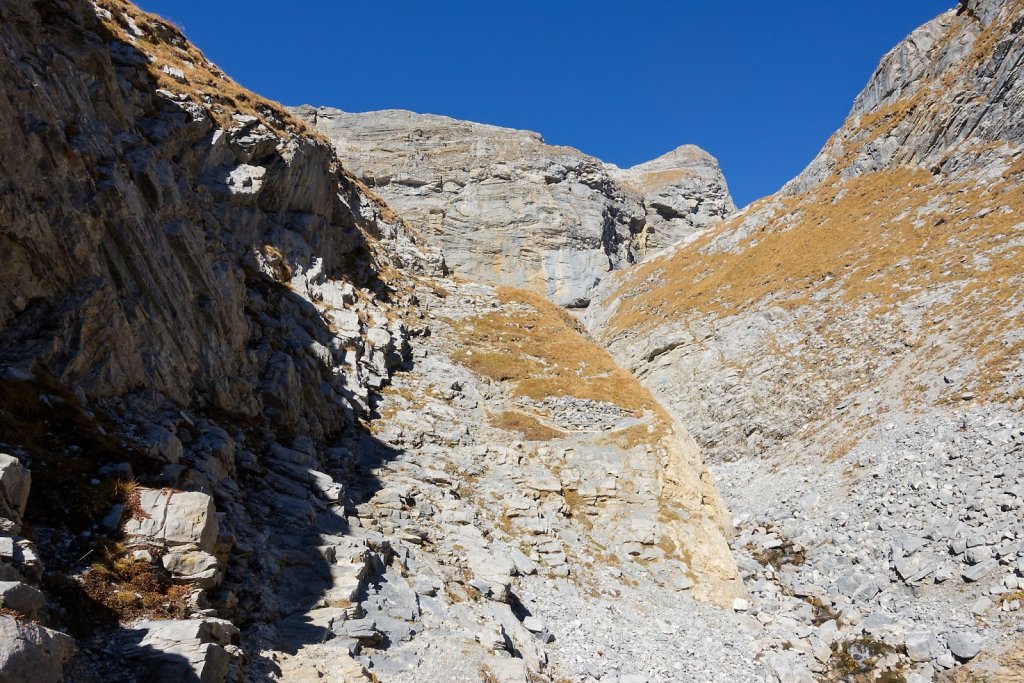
[15,481]
[21,598]
[176,518]
[493,570]
[193,566]
[965,644]
[29,652]
[180,650]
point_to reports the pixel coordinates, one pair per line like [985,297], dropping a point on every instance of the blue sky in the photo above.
[761,85]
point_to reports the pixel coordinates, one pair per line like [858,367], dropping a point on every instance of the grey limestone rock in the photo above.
[15,481]
[184,649]
[507,208]
[21,598]
[966,644]
[176,518]
[29,652]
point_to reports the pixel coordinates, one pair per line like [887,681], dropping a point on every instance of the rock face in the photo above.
[29,652]
[250,432]
[148,229]
[506,208]
[684,191]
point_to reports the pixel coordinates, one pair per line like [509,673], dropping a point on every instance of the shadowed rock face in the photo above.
[506,208]
[143,238]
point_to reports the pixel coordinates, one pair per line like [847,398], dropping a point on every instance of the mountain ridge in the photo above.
[508,209]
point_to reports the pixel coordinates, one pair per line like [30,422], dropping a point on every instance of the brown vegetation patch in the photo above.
[865,243]
[541,351]
[855,661]
[134,589]
[530,427]
[201,81]
[577,508]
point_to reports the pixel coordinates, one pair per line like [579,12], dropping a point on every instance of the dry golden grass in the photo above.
[863,244]
[202,82]
[577,508]
[527,425]
[540,350]
[133,589]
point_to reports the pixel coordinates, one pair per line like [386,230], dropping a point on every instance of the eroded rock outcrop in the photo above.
[506,208]
[893,239]
[684,191]
[151,223]
[188,273]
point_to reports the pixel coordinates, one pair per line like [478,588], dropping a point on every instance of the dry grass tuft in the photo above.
[200,80]
[530,427]
[133,589]
[868,243]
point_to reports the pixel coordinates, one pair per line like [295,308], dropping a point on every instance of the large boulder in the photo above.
[180,650]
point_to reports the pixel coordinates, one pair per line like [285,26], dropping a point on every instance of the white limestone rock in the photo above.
[176,518]
[507,208]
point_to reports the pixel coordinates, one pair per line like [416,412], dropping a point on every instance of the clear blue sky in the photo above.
[761,85]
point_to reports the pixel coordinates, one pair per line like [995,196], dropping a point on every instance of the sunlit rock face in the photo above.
[506,208]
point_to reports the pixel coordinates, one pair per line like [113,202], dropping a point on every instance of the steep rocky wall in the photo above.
[149,223]
[848,354]
[189,279]
[684,191]
[507,208]
[883,274]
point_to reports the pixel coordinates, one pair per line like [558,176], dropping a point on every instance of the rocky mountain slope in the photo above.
[899,237]
[249,430]
[848,355]
[211,470]
[506,208]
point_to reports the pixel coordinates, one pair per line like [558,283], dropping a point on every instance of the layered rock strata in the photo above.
[506,208]
[847,353]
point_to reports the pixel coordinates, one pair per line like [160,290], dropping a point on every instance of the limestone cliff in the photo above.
[155,215]
[684,191]
[848,354]
[507,208]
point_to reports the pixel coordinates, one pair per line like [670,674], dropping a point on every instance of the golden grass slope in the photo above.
[541,351]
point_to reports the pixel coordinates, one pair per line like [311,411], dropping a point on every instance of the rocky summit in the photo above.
[296,394]
[506,208]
